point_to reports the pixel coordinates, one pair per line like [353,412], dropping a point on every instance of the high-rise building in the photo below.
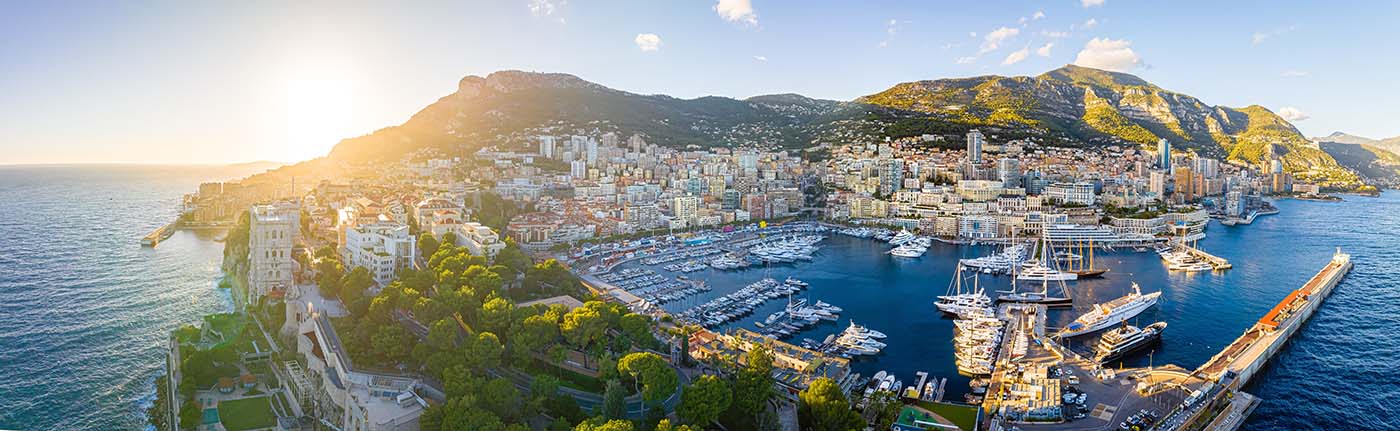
[578,169]
[547,146]
[1157,184]
[974,146]
[272,232]
[638,144]
[1164,155]
[1275,166]
[891,175]
[1185,184]
[577,143]
[591,151]
[686,208]
[609,140]
[1009,172]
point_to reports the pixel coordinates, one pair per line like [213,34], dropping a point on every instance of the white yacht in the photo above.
[909,250]
[902,237]
[865,331]
[1040,272]
[1111,313]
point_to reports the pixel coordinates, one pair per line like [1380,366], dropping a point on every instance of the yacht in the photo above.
[1040,272]
[1111,313]
[795,282]
[863,330]
[1126,339]
[902,237]
[910,250]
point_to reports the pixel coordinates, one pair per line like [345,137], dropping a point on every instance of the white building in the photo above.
[347,398]
[382,248]
[686,208]
[438,215]
[547,146]
[479,239]
[273,230]
[578,169]
[1081,193]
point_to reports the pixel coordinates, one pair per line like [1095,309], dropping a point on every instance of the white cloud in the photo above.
[964,60]
[648,41]
[1054,34]
[971,34]
[1091,3]
[891,29]
[1108,54]
[1091,23]
[1044,51]
[760,58]
[1293,114]
[1037,15]
[1016,57]
[545,7]
[737,11]
[1294,73]
[1259,37]
[1022,21]
[996,37]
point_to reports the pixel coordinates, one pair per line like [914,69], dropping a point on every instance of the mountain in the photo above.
[1071,105]
[1389,144]
[1099,106]
[485,108]
[1372,158]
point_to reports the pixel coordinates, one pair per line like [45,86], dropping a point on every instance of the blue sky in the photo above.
[174,82]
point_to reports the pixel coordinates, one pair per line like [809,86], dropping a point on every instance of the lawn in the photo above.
[964,417]
[247,414]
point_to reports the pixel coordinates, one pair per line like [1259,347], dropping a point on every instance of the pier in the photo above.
[1223,406]
[160,234]
[1216,262]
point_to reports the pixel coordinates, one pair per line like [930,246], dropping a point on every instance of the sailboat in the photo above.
[1081,270]
[1043,296]
[960,302]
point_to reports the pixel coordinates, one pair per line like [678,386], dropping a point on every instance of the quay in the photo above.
[158,235]
[1223,406]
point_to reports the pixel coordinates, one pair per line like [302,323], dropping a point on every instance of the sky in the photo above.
[223,82]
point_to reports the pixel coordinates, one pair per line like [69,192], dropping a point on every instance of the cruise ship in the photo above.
[1111,313]
[1126,339]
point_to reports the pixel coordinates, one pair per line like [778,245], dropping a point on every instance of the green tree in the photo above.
[886,406]
[614,400]
[501,397]
[484,352]
[638,328]
[512,257]
[583,326]
[753,384]
[391,342]
[703,400]
[657,377]
[354,284]
[427,245]
[665,425]
[822,407]
[496,314]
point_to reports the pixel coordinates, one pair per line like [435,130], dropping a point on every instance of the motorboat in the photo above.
[1111,313]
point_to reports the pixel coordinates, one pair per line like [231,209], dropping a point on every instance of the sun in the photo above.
[318,113]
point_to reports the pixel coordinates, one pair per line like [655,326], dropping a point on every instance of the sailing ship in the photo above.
[1076,262]
[1042,296]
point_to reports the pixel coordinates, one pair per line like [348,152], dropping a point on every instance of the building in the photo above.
[1185,184]
[891,175]
[348,399]
[272,232]
[479,239]
[382,248]
[686,208]
[794,367]
[438,215]
[974,146]
[1164,155]
[1080,193]
[578,169]
[547,147]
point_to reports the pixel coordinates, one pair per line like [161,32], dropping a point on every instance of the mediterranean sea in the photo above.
[1335,374]
[84,309]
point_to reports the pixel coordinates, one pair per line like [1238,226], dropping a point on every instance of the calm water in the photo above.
[1335,375]
[84,309]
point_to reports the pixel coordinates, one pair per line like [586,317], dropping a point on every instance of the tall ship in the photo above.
[1120,341]
[962,302]
[1111,313]
[1037,297]
[1077,264]
[1041,270]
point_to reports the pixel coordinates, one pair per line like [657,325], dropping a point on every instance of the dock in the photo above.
[1216,262]
[160,234]
[1233,367]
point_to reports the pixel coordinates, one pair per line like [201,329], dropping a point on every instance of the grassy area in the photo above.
[568,378]
[247,414]
[964,417]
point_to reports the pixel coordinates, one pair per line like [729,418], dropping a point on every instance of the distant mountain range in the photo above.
[1373,158]
[1068,106]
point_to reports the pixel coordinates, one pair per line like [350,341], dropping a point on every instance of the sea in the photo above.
[1335,374]
[85,310]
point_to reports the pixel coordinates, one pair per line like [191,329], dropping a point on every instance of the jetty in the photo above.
[1216,262]
[1222,405]
[160,234]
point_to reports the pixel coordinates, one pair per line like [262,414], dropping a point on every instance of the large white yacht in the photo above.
[1111,313]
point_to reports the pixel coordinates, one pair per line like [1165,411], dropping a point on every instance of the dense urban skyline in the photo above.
[172,83]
